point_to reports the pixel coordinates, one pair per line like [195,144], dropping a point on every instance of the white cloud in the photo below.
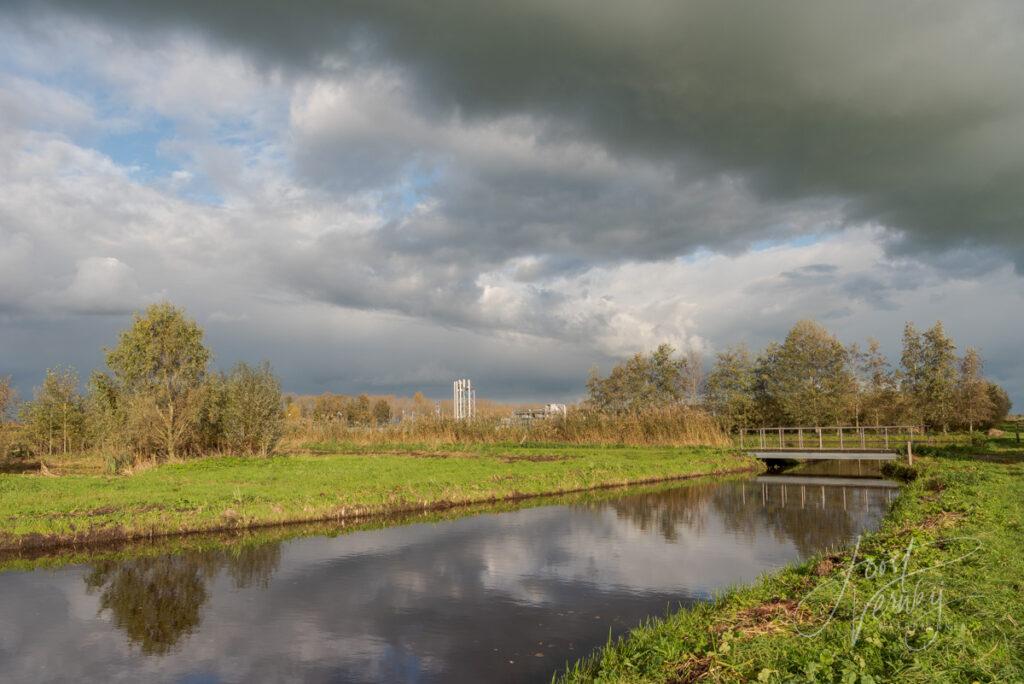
[101,285]
[26,103]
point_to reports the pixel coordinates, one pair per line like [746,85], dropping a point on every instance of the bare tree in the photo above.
[693,376]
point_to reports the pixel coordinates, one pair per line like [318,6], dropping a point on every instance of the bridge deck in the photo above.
[839,443]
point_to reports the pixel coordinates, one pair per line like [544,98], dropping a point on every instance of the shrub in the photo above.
[253,418]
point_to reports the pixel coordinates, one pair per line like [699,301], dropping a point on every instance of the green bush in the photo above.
[253,418]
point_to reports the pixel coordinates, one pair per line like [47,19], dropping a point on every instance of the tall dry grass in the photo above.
[670,426]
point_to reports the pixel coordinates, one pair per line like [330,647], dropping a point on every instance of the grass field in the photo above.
[936,595]
[330,482]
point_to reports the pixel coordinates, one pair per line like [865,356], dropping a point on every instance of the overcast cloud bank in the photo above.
[382,197]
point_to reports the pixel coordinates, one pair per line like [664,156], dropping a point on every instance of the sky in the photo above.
[384,196]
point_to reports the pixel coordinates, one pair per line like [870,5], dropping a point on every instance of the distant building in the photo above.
[464,399]
[556,410]
[546,412]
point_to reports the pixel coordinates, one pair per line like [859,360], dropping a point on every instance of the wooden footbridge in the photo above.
[849,443]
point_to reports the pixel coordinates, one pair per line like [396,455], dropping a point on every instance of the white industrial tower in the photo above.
[465,399]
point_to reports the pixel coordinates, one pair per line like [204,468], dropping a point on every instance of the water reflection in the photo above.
[157,600]
[851,468]
[667,514]
[154,601]
[811,517]
[494,597]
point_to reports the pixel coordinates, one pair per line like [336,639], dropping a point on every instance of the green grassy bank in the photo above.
[935,595]
[211,494]
[237,543]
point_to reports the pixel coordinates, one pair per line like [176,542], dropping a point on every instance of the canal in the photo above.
[496,596]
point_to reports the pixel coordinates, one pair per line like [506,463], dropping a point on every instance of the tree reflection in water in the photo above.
[666,511]
[806,519]
[157,600]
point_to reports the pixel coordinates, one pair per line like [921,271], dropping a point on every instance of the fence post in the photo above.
[840,437]
[910,453]
[821,441]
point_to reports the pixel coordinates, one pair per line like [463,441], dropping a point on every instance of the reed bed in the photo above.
[671,426]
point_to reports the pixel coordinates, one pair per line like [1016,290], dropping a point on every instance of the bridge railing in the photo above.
[837,438]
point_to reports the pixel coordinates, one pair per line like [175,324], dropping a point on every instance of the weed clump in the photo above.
[897,470]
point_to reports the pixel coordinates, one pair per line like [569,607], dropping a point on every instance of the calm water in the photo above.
[489,598]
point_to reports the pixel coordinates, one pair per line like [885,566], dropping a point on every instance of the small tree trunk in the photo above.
[170,432]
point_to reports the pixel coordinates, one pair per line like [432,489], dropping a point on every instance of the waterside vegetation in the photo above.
[935,595]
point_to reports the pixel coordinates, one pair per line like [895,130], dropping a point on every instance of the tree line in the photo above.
[158,397]
[812,379]
[359,411]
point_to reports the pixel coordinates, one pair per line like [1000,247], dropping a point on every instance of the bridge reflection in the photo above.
[823,493]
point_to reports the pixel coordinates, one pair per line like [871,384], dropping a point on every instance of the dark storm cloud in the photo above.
[586,219]
[361,272]
[836,288]
[812,274]
[906,113]
[873,288]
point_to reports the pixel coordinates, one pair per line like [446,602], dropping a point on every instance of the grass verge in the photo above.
[237,542]
[227,493]
[936,594]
